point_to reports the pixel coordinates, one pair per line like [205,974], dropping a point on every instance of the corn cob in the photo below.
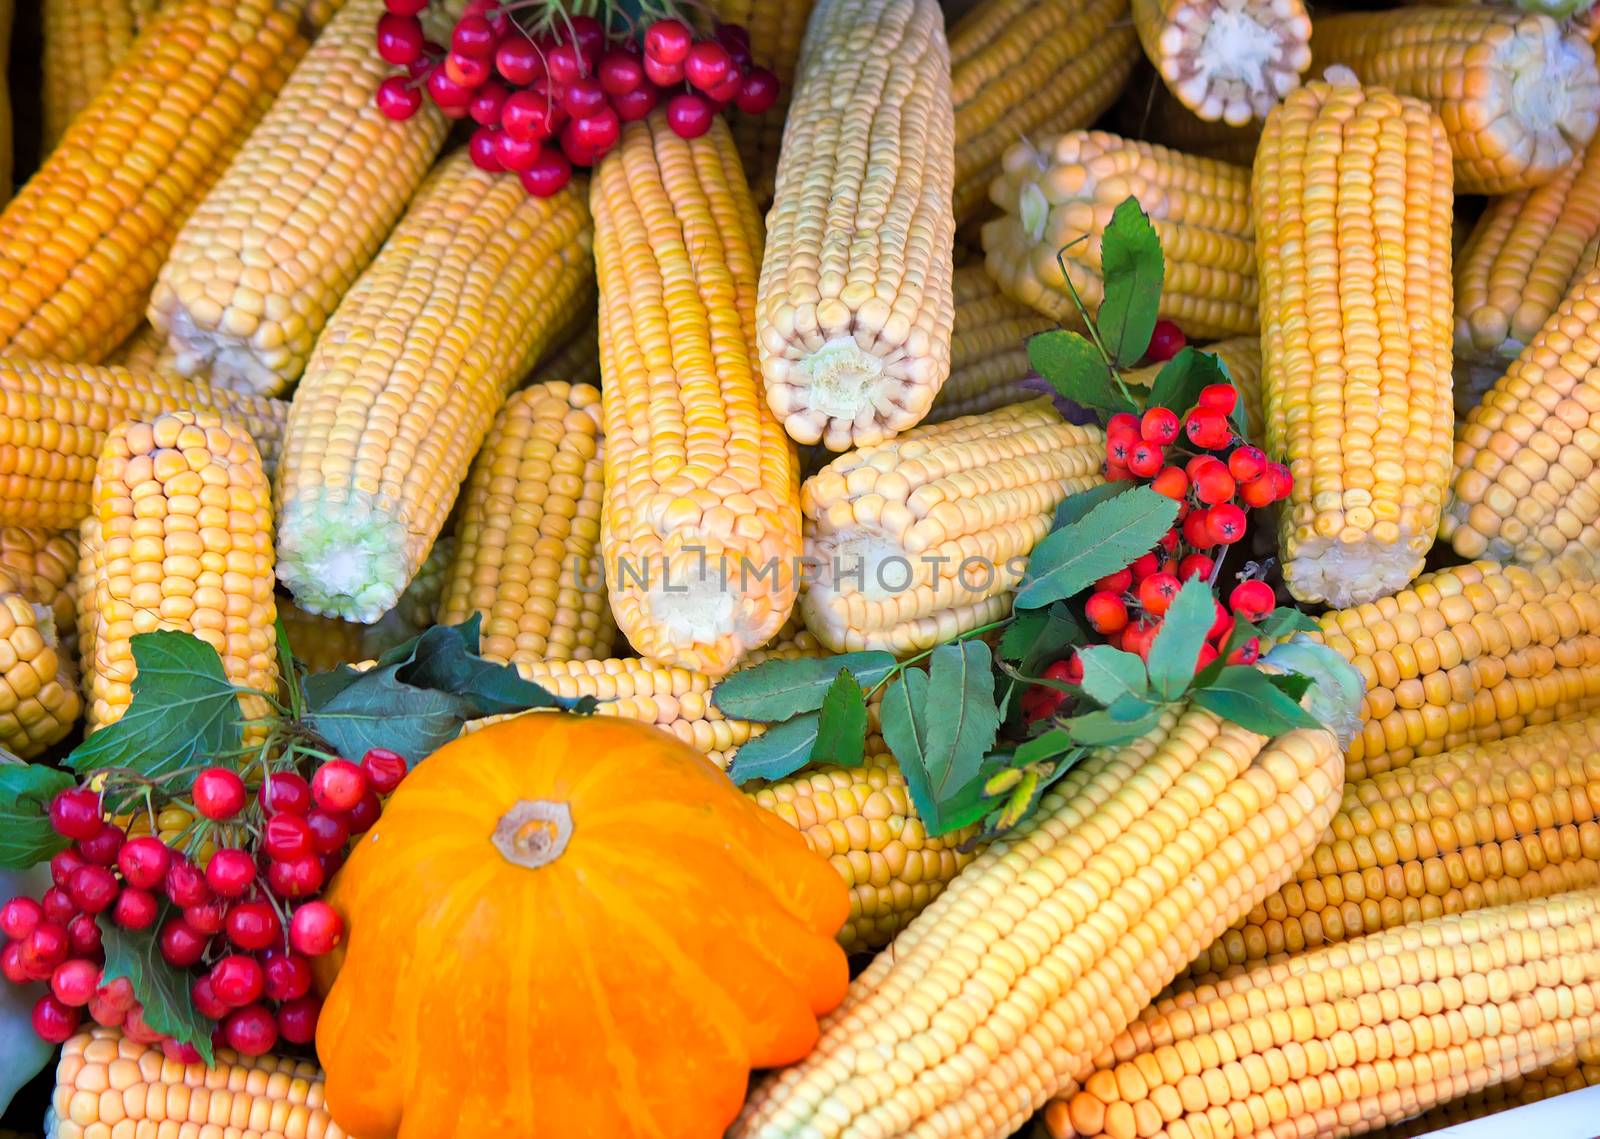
[54,418]
[1242,357]
[528,559]
[39,702]
[1228,61]
[776,29]
[1340,1040]
[854,308]
[81,243]
[1024,68]
[1466,655]
[988,350]
[1149,111]
[146,350]
[700,524]
[107,1085]
[84,40]
[1482,825]
[861,819]
[262,263]
[408,374]
[1352,203]
[44,565]
[184,513]
[1522,254]
[1518,96]
[1049,943]
[1569,1074]
[84,586]
[1066,188]
[915,540]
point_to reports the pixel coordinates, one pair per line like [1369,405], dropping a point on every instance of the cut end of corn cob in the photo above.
[1226,60]
[344,553]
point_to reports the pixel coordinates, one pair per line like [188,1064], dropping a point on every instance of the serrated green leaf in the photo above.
[26,837]
[1132,267]
[961,720]
[1075,507]
[1037,636]
[184,710]
[162,989]
[1291,684]
[778,752]
[1179,382]
[842,726]
[1055,742]
[778,689]
[1101,729]
[1243,694]
[905,731]
[965,807]
[1286,620]
[1110,673]
[1176,649]
[1103,541]
[445,658]
[1075,368]
[1126,709]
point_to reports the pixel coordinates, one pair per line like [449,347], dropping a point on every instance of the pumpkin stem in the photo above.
[534,832]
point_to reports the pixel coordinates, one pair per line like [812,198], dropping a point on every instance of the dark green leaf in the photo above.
[1286,619]
[380,710]
[184,710]
[290,669]
[961,722]
[1127,709]
[1102,729]
[1179,382]
[445,658]
[162,989]
[1055,742]
[1109,673]
[1103,541]
[842,730]
[1176,649]
[778,689]
[26,837]
[1036,637]
[1132,267]
[779,751]
[1075,507]
[1244,695]
[1075,368]
[905,731]
[1291,684]
[965,807]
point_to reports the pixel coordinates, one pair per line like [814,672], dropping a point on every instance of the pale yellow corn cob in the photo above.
[406,378]
[854,309]
[915,540]
[1065,189]
[39,701]
[84,40]
[1569,1074]
[988,350]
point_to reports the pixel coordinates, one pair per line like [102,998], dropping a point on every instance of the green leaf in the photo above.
[962,718]
[1176,649]
[1038,636]
[162,989]
[778,689]
[1132,266]
[1055,742]
[1337,687]
[779,751]
[1075,507]
[26,836]
[1127,709]
[1243,694]
[1110,673]
[1102,729]
[445,658]
[1286,619]
[905,731]
[1291,684]
[1179,382]
[842,730]
[964,808]
[184,710]
[1101,542]
[1075,368]
[291,670]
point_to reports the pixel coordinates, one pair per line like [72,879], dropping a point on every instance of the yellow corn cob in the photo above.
[262,263]
[1229,61]
[81,243]
[39,702]
[861,819]
[988,351]
[1341,1040]
[185,542]
[54,418]
[1522,254]
[1482,825]
[84,586]
[1052,940]
[776,28]
[915,540]
[406,378]
[1466,655]
[173,825]
[1024,68]
[1570,1074]
[1066,188]
[1518,96]
[107,1085]
[528,558]
[1150,111]
[700,527]
[1352,204]
[854,309]
[83,41]
[1242,357]
[44,564]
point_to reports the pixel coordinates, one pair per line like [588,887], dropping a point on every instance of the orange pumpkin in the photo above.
[572,927]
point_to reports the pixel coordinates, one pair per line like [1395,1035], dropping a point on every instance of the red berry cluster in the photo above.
[246,923]
[1221,478]
[547,102]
